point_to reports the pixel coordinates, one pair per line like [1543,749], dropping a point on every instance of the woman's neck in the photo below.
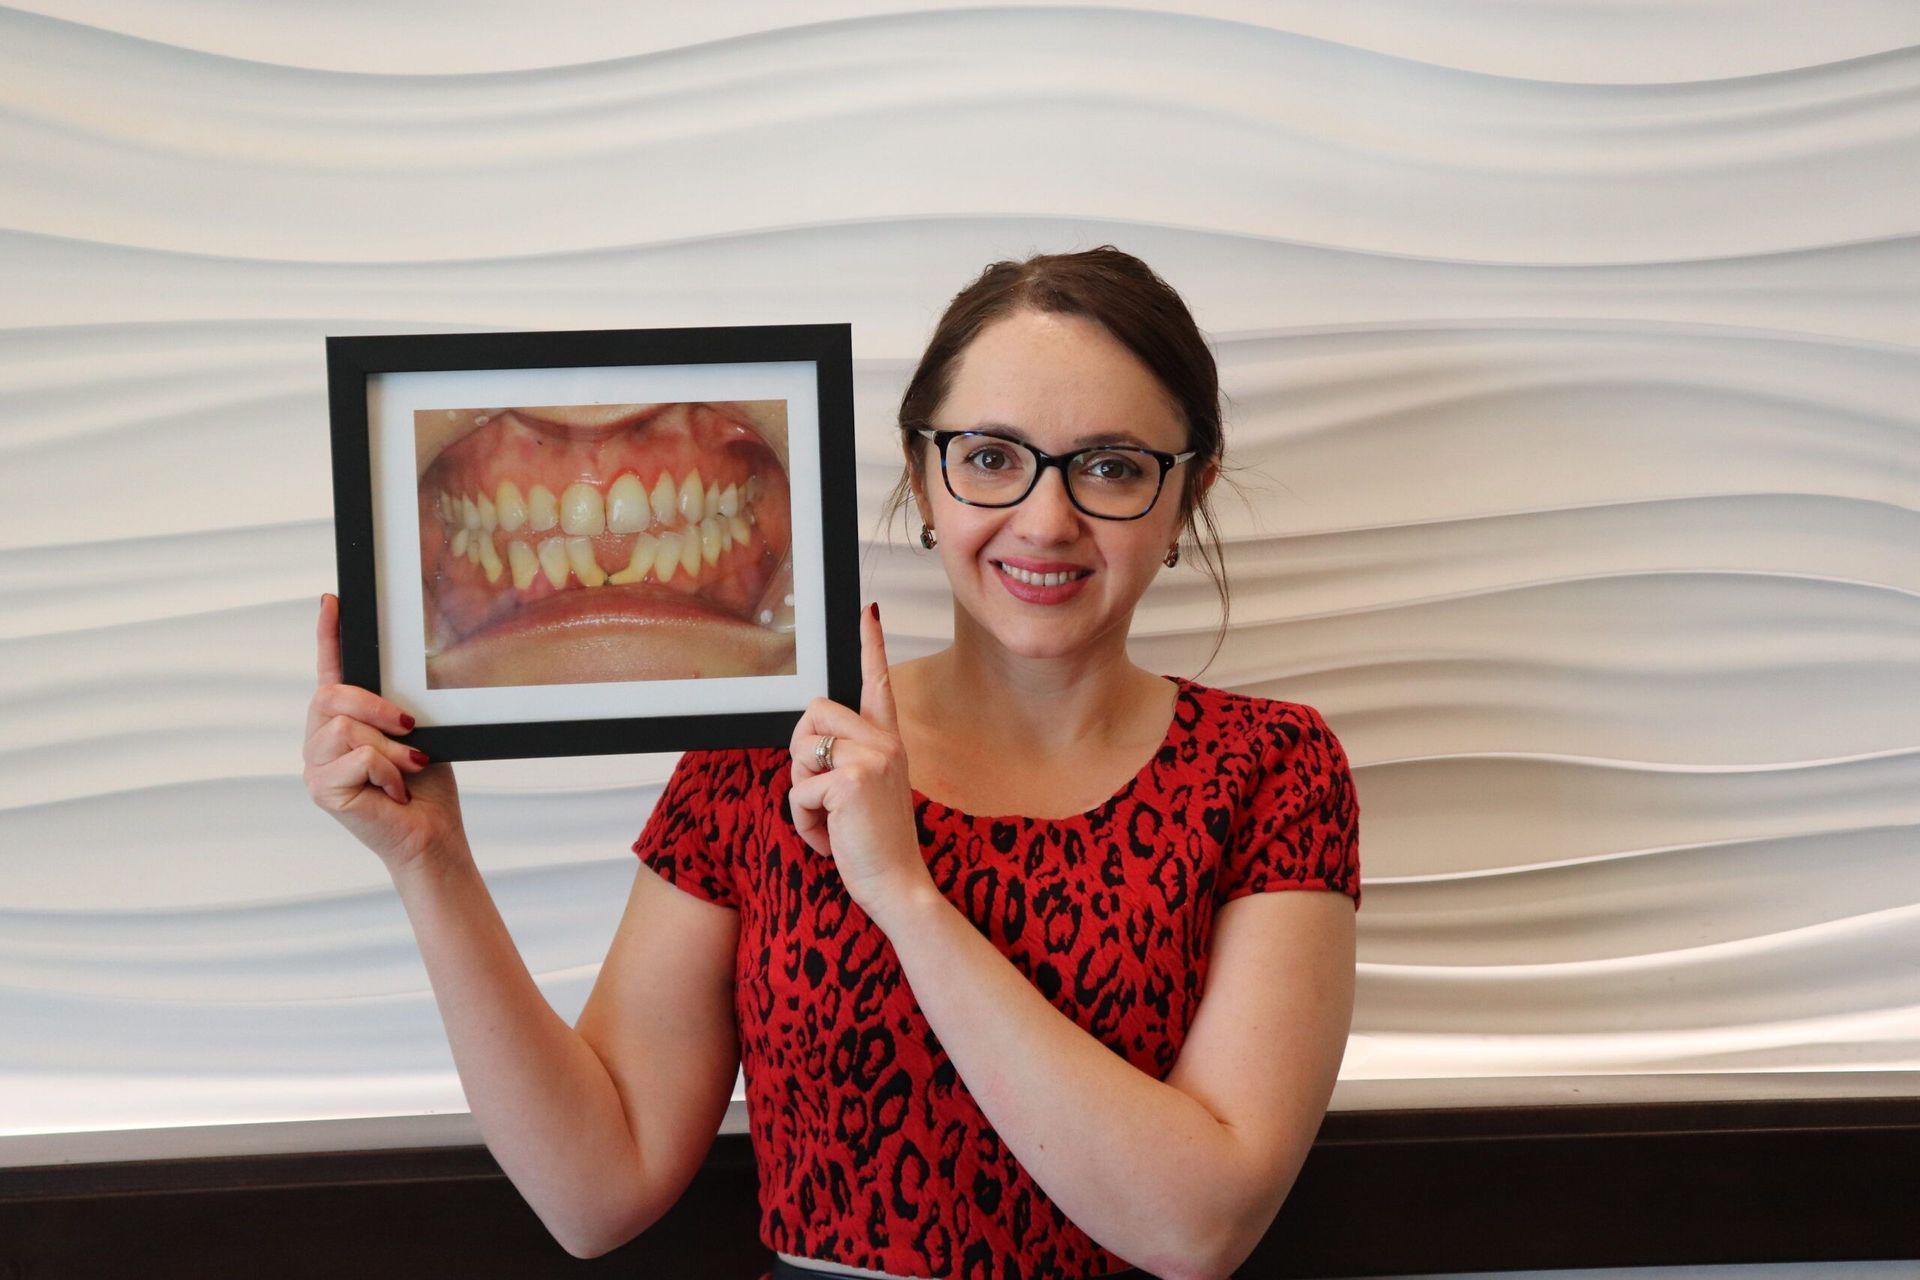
[1049,705]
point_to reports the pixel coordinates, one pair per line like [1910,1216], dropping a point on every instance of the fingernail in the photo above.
[420,757]
[406,722]
[875,606]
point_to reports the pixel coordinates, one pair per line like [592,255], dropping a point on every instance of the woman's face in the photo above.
[1060,383]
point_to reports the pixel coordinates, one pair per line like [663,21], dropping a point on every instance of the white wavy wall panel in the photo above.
[1574,355]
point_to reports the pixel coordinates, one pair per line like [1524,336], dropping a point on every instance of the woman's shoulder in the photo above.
[723,774]
[1232,714]
[1250,736]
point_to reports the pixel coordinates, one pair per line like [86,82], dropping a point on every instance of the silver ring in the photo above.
[823,754]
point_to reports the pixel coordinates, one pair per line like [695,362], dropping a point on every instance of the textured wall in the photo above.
[1573,348]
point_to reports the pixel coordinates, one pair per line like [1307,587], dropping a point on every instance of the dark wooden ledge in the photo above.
[1385,1192]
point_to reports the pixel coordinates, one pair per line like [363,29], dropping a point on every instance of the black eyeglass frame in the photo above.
[1167,461]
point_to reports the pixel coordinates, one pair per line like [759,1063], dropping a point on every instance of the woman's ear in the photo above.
[917,480]
[1204,481]
[918,487]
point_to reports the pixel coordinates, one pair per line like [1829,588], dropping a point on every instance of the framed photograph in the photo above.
[573,543]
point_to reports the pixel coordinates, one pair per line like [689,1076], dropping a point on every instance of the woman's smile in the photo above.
[1041,581]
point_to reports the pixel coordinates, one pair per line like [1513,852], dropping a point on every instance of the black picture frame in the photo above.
[372,381]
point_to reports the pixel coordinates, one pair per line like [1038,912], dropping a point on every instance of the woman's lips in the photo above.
[1054,585]
[592,543]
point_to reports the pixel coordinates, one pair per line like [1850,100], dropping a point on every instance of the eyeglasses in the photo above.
[1106,481]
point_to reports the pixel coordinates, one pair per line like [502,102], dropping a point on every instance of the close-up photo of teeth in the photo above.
[583,543]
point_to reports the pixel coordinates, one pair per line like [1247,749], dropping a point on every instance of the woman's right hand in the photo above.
[357,773]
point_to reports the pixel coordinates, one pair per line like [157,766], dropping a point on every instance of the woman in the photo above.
[1024,1006]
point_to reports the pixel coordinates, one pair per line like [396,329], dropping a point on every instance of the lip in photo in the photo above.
[564,544]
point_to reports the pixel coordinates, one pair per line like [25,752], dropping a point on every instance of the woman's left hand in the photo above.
[860,812]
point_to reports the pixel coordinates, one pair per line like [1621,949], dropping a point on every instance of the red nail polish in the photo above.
[420,757]
[406,722]
[875,606]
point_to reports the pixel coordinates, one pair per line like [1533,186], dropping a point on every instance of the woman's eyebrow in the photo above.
[1084,442]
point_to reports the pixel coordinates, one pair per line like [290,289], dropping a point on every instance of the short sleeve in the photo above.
[1299,827]
[694,835]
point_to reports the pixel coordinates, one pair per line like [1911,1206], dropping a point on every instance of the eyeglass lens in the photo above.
[1117,481]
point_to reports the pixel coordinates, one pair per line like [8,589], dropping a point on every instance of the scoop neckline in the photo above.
[1174,729]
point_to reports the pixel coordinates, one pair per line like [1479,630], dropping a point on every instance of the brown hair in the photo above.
[1123,295]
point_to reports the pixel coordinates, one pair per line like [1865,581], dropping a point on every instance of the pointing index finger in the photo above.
[876,682]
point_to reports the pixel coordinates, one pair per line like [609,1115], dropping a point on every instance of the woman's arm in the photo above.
[562,1111]
[543,1100]
[1181,1178]
[598,1147]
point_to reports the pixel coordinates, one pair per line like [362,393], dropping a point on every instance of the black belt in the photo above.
[784,1270]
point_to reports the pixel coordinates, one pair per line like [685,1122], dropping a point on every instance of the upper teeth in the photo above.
[1041,579]
[582,509]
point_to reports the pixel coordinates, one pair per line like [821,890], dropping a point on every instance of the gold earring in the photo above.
[928,537]
[1173,556]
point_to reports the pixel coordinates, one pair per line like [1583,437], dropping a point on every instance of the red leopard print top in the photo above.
[871,1150]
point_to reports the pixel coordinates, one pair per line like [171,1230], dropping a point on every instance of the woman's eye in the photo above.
[1112,466]
[987,458]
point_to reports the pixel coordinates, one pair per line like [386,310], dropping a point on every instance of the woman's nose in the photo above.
[1047,514]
